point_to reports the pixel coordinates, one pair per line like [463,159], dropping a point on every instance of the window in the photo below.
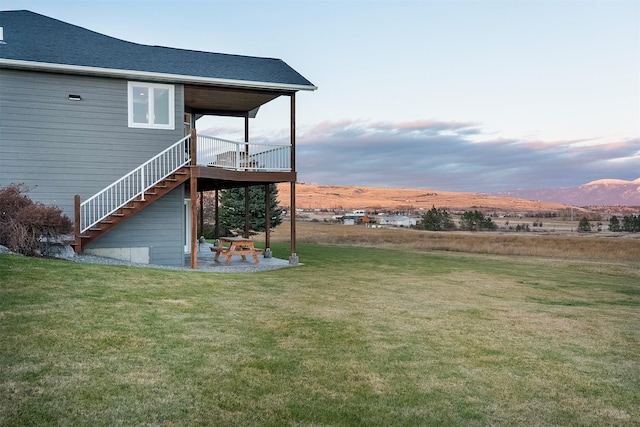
[151,106]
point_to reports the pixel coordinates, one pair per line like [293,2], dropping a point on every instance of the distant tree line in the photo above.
[629,223]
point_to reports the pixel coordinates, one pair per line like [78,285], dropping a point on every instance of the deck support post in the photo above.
[216,216]
[201,224]
[76,224]
[246,136]
[246,212]
[293,259]
[246,188]
[267,221]
[193,149]
[193,194]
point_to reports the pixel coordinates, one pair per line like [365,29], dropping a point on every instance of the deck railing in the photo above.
[134,184]
[243,156]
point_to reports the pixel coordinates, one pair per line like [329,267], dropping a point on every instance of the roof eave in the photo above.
[160,77]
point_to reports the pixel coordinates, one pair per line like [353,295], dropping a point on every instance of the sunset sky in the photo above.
[457,95]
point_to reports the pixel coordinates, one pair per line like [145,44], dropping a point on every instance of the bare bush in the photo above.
[24,224]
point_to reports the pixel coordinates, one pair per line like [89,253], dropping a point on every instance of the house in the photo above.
[106,130]
[397,221]
[354,217]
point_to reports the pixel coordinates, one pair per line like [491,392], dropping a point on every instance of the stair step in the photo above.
[95,229]
[105,221]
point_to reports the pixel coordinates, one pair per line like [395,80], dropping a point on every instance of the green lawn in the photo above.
[356,336]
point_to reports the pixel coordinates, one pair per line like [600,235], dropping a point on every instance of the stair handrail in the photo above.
[134,184]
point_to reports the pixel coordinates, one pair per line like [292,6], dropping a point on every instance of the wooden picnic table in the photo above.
[237,246]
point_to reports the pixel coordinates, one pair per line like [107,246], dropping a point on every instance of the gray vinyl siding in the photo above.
[59,147]
[159,227]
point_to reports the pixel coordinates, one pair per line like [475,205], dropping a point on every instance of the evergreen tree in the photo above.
[437,220]
[584,225]
[631,223]
[232,205]
[475,220]
[614,224]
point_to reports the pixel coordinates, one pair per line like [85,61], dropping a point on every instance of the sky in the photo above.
[453,95]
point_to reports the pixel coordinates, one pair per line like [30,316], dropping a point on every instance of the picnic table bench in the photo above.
[237,246]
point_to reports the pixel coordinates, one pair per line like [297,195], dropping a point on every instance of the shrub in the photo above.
[24,224]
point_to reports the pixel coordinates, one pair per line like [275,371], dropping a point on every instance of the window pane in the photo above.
[151,106]
[161,106]
[140,104]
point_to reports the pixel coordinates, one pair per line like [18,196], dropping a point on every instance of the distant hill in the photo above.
[603,192]
[310,196]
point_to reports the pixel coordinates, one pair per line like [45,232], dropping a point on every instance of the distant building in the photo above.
[397,221]
[355,217]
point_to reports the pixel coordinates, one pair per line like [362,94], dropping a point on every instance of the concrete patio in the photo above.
[236,265]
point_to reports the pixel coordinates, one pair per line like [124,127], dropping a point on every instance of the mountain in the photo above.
[603,192]
[311,196]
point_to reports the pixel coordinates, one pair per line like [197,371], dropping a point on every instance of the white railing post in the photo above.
[142,173]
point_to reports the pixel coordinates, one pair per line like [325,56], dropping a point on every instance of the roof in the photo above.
[36,41]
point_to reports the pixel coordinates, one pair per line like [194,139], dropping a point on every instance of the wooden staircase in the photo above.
[132,208]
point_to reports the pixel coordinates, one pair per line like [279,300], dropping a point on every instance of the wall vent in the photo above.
[2,36]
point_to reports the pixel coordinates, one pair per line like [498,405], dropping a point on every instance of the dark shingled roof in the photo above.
[36,38]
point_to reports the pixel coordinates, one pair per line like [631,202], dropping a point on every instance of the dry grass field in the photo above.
[310,196]
[603,246]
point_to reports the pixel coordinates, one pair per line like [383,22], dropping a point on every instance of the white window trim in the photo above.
[150,87]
